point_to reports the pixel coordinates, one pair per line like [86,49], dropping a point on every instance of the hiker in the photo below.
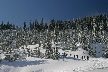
[74,56]
[70,54]
[77,56]
[82,57]
[87,57]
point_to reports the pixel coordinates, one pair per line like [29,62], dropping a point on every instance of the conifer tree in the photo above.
[24,27]
[2,25]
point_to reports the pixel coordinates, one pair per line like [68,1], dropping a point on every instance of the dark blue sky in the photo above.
[17,11]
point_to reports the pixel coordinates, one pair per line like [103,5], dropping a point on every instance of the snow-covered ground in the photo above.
[37,65]
[99,70]
[70,64]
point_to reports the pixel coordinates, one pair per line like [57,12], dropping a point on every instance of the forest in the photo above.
[64,34]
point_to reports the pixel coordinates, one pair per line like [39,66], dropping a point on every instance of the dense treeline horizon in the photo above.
[75,24]
[56,35]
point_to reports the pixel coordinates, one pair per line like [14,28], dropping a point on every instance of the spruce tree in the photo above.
[24,27]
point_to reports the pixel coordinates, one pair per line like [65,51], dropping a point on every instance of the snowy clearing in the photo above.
[70,64]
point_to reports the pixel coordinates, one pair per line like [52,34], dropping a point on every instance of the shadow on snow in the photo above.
[24,63]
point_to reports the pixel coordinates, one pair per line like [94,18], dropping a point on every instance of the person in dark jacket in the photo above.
[77,56]
[74,56]
[70,54]
[87,57]
[82,57]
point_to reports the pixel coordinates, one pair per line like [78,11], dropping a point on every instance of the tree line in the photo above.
[80,23]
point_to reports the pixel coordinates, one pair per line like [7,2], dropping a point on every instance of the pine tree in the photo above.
[33,25]
[30,25]
[1,25]
[24,27]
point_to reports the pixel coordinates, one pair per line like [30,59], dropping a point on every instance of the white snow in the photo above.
[70,64]
[99,70]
